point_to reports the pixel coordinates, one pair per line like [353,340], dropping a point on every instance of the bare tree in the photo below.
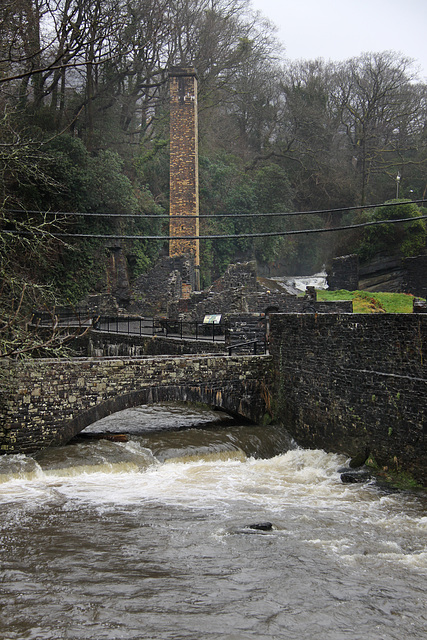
[379,106]
[309,139]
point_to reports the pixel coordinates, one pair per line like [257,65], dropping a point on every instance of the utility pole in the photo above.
[397,184]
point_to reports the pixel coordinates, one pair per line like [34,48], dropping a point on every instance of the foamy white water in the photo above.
[107,540]
[317,280]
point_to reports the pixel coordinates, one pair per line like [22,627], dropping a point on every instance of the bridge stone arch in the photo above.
[48,402]
[246,404]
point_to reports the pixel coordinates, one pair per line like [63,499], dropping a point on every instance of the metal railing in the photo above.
[259,347]
[167,327]
[149,326]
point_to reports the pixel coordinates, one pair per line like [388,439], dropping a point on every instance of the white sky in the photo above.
[340,29]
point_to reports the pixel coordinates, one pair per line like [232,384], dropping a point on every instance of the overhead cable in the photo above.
[143,216]
[268,234]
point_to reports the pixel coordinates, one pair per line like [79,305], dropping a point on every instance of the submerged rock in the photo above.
[260,526]
[113,437]
[359,459]
[352,476]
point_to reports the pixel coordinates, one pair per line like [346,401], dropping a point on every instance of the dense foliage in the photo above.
[84,128]
[406,239]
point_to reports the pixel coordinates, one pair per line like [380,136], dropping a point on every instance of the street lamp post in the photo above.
[397,184]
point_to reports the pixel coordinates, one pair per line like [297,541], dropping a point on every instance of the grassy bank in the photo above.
[371,302]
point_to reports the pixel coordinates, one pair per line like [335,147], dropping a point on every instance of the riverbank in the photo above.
[369,302]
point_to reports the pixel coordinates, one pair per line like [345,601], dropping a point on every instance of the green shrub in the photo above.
[407,238]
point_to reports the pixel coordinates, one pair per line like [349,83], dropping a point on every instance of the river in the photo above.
[152,539]
[318,280]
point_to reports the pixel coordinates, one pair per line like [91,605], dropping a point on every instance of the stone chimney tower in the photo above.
[184,167]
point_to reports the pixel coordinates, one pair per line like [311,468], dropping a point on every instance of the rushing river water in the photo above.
[150,539]
[318,280]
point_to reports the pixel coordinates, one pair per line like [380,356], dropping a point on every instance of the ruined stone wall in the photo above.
[46,402]
[117,276]
[383,273]
[344,273]
[184,185]
[350,383]
[239,291]
[415,276]
[155,292]
[239,301]
[242,275]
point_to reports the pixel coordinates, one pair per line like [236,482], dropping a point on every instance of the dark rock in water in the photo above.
[353,476]
[359,459]
[113,437]
[260,526]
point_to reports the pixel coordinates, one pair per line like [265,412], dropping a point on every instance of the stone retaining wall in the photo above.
[100,343]
[350,383]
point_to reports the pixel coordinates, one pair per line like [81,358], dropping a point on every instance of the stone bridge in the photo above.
[342,382]
[46,402]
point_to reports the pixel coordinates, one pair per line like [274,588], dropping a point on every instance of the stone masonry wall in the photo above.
[240,302]
[154,292]
[239,291]
[344,273]
[415,278]
[46,402]
[98,344]
[384,273]
[354,383]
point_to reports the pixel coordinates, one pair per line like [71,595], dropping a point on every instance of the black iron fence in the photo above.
[179,329]
[256,347]
[160,326]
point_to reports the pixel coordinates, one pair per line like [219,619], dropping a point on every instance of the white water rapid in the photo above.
[152,539]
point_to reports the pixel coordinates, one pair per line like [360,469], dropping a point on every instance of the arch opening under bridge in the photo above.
[214,398]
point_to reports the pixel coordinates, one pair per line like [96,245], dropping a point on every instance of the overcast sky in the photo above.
[341,29]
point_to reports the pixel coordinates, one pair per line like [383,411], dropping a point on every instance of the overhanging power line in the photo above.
[143,216]
[268,234]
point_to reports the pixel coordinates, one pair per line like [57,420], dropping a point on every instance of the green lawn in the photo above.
[371,302]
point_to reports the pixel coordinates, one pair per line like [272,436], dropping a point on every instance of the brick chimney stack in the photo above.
[184,166]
